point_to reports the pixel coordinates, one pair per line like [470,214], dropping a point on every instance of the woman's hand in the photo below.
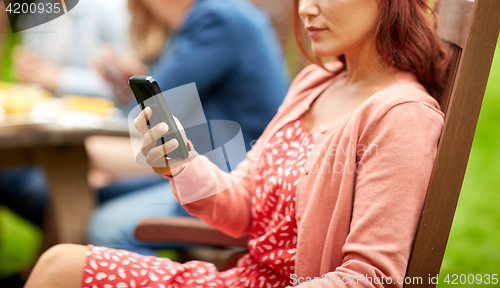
[155,156]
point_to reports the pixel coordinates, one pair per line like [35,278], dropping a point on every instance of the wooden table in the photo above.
[61,153]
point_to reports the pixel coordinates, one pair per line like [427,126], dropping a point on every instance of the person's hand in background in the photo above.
[155,154]
[117,69]
[32,68]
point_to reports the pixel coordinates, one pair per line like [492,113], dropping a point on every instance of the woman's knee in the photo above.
[58,254]
[60,266]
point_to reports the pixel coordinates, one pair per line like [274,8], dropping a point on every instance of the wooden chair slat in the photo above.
[185,230]
[454,20]
[456,55]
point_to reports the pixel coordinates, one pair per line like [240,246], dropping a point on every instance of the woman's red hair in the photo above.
[406,38]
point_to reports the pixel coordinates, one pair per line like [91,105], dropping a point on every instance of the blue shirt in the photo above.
[230,50]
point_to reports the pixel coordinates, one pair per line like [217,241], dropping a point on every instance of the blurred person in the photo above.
[334,187]
[55,55]
[228,48]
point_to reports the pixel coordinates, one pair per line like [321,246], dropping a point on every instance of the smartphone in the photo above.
[148,93]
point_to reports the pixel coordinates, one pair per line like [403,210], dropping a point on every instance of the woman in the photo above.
[336,182]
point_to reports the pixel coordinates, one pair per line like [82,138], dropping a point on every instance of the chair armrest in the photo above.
[185,230]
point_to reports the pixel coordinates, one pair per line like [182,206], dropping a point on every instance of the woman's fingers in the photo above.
[141,121]
[155,156]
[150,137]
[173,166]
[159,152]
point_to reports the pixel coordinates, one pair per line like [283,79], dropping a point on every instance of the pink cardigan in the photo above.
[359,200]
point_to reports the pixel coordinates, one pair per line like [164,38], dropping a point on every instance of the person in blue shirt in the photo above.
[228,48]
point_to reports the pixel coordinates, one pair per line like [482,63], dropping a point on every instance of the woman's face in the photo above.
[337,27]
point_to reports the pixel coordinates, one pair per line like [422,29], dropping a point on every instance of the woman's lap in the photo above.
[109,268]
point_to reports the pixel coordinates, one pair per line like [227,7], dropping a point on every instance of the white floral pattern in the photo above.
[274,227]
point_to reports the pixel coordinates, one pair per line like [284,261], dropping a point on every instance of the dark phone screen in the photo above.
[148,99]
[157,116]
[145,92]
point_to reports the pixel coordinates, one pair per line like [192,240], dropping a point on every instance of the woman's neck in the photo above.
[366,68]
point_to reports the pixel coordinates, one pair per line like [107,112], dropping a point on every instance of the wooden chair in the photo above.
[471,29]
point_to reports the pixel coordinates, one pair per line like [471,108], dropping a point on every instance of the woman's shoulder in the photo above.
[403,102]
[406,89]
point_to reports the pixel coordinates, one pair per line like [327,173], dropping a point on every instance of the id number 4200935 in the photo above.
[24,8]
[471,279]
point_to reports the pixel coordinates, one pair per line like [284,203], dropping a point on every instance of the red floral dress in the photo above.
[271,257]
